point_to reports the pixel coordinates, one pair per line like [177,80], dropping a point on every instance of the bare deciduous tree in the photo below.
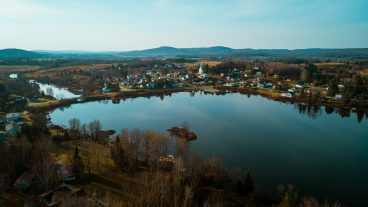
[42,163]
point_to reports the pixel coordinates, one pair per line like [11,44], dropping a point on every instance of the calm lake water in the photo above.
[325,156]
[56,92]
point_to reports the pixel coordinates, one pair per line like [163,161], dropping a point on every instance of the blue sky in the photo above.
[110,25]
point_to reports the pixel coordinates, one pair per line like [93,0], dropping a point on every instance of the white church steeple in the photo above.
[200,71]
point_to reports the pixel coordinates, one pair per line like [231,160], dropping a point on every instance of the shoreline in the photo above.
[167,92]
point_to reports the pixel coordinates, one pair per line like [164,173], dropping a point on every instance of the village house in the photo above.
[166,162]
[287,95]
[57,130]
[65,172]
[151,85]
[21,100]
[24,181]
[14,117]
[338,97]
[12,129]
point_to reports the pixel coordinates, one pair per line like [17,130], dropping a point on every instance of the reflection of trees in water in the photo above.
[316,111]
[343,112]
[329,110]
[360,115]
[103,101]
[162,97]
[309,110]
[116,100]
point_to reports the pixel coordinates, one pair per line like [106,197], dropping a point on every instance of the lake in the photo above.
[322,154]
[54,91]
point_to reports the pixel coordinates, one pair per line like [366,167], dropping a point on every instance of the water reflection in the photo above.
[311,111]
[305,145]
[54,91]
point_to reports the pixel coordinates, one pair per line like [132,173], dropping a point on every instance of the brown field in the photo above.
[328,65]
[18,68]
[196,64]
[53,71]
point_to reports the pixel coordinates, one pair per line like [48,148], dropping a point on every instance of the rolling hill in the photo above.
[202,52]
[225,52]
[18,53]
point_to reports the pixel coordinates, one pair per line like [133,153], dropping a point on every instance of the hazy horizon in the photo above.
[106,51]
[131,25]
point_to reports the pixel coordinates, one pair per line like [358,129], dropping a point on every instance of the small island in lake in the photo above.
[182,132]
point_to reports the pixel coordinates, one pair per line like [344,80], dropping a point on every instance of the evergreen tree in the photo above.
[248,183]
[78,163]
[308,73]
[245,186]
[117,154]
[76,153]
[290,197]
[332,88]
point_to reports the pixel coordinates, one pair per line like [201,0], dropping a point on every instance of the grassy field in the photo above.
[268,92]
[53,71]
[43,102]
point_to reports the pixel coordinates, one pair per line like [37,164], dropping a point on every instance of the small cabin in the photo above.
[65,172]
[166,162]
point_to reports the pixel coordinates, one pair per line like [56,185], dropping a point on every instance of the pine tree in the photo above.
[76,153]
[78,163]
[332,88]
[117,154]
[248,183]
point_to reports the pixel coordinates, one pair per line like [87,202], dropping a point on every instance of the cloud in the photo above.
[19,9]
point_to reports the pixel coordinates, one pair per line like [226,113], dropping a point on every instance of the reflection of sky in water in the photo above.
[271,138]
[58,93]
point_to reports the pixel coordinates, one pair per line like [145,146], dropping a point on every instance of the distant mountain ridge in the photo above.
[220,51]
[172,51]
[18,53]
[201,52]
